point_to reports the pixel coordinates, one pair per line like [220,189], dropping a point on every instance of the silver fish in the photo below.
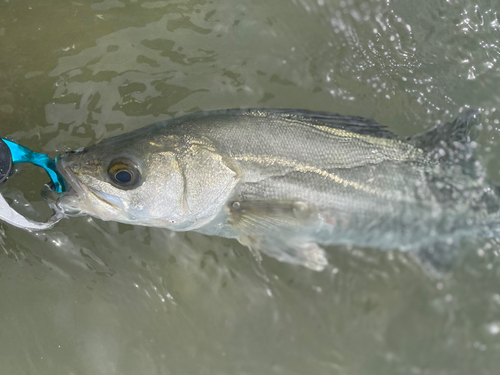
[285,182]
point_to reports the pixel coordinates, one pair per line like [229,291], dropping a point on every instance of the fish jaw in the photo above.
[80,199]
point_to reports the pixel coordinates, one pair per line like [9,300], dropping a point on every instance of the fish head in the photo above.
[148,178]
[125,180]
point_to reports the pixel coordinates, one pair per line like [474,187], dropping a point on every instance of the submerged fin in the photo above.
[454,135]
[437,259]
[278,229]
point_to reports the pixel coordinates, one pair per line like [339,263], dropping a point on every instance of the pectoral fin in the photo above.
[281,230]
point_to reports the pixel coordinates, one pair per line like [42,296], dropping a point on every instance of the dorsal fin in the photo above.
[358,125]
[454,135]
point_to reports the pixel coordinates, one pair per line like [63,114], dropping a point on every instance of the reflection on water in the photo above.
[90,297]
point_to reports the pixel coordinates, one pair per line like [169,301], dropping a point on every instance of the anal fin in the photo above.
[437,259]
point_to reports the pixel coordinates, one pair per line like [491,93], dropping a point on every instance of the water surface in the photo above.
[91,297]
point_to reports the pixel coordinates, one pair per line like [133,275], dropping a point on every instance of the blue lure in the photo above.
[20,154]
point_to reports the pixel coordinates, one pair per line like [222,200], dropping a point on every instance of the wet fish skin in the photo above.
[245,173]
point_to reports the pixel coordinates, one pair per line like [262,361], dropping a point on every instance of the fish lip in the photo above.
[70,177]
[77,188]
[74,189]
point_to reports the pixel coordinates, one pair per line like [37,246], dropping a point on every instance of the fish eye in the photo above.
[124,174]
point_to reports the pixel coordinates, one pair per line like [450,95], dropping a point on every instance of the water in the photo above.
[90,297]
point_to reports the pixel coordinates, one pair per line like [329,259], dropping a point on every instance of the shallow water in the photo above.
[91,297]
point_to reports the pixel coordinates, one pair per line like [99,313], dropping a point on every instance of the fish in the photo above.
[288,183]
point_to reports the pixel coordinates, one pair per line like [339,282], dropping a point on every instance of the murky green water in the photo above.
[90,297]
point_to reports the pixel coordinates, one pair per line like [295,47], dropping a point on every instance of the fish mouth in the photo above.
[70,201]
[79,199]
[69,176]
